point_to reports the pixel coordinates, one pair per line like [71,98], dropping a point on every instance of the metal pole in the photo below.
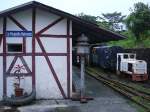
[82,77]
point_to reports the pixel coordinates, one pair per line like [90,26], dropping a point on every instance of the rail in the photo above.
[139,97]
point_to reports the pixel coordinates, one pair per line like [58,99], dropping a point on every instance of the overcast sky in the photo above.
[92,7]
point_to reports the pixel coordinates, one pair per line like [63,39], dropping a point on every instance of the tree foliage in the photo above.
[89,18]
[113,20]
[139,20]
[109,20]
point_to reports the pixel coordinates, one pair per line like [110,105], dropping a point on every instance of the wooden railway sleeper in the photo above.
[126,88]
[126,93]
[141,92]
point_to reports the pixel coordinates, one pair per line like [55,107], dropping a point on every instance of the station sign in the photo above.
[18,33]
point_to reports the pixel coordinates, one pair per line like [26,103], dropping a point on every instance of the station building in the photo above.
[36,43]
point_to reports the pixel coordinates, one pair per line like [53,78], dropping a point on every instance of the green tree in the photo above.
[113,20]
[109,20]
[104,24]
[139,20]
[89,18]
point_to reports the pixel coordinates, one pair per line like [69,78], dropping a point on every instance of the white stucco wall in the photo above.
[44,18]
[1,78]
[11,26]
[58,29]
[53,45]
[1,25]
[24,17]
[46,86]
[29,45]
[71,64]
[1,61]
[10,59]
[26,82]
[1,47]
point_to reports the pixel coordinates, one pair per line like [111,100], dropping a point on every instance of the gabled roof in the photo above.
[104,34]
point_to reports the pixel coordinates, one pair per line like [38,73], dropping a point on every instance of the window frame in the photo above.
[14,44]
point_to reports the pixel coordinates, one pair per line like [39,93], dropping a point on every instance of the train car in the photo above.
[128,64]
[75,60]
[105,56]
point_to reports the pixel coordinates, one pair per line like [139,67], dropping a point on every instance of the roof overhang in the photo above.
[95,33]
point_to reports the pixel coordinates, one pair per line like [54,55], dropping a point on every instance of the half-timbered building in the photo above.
[36,42]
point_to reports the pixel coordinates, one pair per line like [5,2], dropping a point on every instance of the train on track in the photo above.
[128,64]
[105,57]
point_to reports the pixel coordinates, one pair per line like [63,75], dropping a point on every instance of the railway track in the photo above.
[132,85]
[139,97]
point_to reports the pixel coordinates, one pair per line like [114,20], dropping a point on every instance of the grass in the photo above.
[140,87]
[131,42]
[135,85]
[138,108]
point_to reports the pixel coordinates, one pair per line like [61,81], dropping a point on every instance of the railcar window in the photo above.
[14,47]
[125,56]
[132,56]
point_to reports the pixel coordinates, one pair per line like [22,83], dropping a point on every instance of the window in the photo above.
[125,56]
[14,47]
[132,56]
